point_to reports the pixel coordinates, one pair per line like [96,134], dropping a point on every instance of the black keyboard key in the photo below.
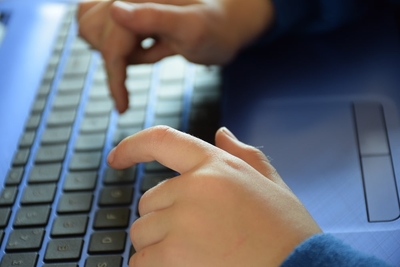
[121,134]
[14,176]
[133,118]
[73,225]
[45,173]
[85,161]
[19,259]
[71,85]
[27,139]
[64,249]
[39,194]
[112,218]
[55,57]
[25,239]
[99,91]
[33,122]
[32,216]
[116,195]
[50,154]
[94,124]
[75,202]
[62,265]
[4,216]
[138,100]
[70,101]
[90,142]
[39,105]
[58,135]
[61,118]
[79,46]
[100,261]
[174,122]
[77,65]
[100,76]
[8,195]
[170,91]
[21,157]
[50,72]
[98,107]
[132,251]
[169,107]
[80,181]
[58,48]
[44,89]
[125,176]
[107,242]
[151,180]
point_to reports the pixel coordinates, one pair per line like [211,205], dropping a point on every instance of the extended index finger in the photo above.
[172,148]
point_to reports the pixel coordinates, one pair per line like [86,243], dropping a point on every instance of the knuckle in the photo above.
[198,35]
[142,203]
[134,233]
[255,152]
[206,183]
[148,17]
[159,133]
[144,206]
[160,129]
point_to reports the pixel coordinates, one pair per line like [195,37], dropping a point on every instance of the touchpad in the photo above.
[333,155]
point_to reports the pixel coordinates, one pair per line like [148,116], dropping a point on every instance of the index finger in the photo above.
[85,7]
[174,149]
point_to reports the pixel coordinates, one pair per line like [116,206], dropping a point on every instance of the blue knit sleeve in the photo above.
[324,250]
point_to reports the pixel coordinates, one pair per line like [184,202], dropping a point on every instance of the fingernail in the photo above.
[111,156]
[228,133]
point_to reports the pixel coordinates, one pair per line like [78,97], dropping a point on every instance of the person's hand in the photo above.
[228,207]
[203,31]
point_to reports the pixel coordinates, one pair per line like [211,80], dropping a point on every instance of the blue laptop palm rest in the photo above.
[325,108]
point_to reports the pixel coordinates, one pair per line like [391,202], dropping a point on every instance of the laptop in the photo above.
[325,110]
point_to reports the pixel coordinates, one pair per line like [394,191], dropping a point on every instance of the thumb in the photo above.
[225,140]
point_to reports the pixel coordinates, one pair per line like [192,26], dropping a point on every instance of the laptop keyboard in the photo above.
[60,204]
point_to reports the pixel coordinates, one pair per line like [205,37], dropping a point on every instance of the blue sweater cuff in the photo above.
[324,250]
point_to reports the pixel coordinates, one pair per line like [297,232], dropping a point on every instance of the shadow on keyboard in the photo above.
[61,205]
